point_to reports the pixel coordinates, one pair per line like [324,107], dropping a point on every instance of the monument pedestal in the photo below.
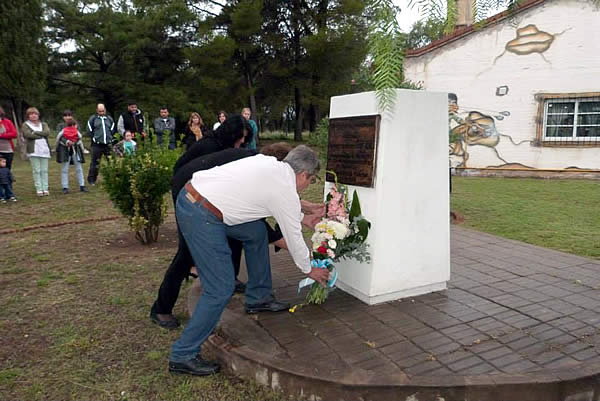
[408,203]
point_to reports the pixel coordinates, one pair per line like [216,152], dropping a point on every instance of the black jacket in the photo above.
[189,138]
[5,176]
[131,122]
[185,172]
[205,146]
[65,153]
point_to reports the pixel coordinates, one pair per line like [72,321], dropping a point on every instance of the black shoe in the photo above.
[196,367]
[273,306]
[65,191]
[83,189]
[170,324]
[240,287]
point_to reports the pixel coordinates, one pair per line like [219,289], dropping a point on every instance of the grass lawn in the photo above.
[74,300]
[74,304]
[558,214]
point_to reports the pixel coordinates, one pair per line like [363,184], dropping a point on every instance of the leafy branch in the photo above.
[387,52]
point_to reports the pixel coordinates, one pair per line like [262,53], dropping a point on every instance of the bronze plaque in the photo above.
[352,149]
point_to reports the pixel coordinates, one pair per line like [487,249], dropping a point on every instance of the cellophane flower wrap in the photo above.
[341,234]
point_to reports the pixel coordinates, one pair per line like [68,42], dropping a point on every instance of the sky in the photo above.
[408,15]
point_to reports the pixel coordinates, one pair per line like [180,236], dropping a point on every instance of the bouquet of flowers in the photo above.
[340,234]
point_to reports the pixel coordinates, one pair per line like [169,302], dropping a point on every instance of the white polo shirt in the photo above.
[254,188]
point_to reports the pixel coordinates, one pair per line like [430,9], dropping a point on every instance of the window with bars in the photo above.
[572,121]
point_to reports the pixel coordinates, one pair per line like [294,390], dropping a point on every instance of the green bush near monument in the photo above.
[137,185]
[319,138]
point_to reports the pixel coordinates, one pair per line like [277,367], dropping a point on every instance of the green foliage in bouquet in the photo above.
[340,235]
[137,185]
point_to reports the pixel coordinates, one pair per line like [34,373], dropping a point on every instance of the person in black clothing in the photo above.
[132,120]
[232,134]
[183,261]
[194,131]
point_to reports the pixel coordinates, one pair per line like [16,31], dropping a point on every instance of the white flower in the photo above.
[332,244]
[322,225]
[339,230]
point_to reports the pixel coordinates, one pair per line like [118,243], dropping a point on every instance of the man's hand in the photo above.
[313,208]
[281,243]
[311,220]
[319,275]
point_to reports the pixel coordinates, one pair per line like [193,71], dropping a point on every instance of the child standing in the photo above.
[6,180]
[127,146]
[69,151]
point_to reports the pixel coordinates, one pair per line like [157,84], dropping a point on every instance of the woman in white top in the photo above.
[38,149]
[221,117]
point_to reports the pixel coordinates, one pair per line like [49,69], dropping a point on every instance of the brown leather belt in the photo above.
[194,196]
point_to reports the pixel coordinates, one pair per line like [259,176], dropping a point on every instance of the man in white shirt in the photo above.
[229,201]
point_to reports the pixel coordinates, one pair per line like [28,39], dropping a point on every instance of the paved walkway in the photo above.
[512,310]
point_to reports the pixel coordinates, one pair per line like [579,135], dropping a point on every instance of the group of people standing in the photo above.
[102,130]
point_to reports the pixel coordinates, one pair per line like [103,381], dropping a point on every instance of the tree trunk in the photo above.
[17,113]
[299,114]
[148,235]
[313,115]
[252,96]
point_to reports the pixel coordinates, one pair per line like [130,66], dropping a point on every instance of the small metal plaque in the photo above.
[352,148]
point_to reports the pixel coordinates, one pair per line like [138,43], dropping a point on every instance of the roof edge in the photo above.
[467,30]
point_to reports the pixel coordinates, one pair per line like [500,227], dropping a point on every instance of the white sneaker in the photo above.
[40,193]
[46,193]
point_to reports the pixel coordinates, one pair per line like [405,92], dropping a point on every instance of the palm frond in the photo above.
[386,51]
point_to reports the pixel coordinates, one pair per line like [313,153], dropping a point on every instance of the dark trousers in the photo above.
[179,269]
[97,151]
[8,157]
[6,191]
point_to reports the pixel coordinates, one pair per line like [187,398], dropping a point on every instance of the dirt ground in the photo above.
[74,305]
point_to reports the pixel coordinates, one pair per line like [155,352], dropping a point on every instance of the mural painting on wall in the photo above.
[474,128]
[529,40]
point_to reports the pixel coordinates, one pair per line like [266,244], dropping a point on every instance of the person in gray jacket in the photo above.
[101,128]
[165,125]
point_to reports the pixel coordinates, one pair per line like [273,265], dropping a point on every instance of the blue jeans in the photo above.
[64,175]
[6,191]
[206,237]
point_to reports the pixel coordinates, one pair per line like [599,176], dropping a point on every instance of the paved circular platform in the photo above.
[518,322]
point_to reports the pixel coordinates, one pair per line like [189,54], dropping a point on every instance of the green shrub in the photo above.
[320,137]
[137,185]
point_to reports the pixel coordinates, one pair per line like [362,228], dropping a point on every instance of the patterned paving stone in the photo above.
[510,308]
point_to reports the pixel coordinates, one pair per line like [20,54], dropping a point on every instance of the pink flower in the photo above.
[336,208]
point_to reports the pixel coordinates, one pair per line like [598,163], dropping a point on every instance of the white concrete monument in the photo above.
[406,197]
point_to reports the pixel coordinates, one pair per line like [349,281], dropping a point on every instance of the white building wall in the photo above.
[571,64]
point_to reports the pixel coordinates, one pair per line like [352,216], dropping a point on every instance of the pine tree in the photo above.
[23,68]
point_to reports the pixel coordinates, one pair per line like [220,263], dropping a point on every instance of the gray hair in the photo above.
[302,158]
